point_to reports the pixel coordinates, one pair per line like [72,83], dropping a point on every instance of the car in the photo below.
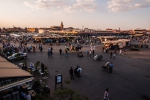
[48,41]
[17,56]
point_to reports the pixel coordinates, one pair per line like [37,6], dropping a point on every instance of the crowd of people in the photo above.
[9,49]
[143,39]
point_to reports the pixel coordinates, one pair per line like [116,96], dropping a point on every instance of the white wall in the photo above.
[41,31]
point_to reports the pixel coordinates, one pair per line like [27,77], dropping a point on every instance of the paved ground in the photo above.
[130,79]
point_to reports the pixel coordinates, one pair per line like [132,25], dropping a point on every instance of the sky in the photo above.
[92,14]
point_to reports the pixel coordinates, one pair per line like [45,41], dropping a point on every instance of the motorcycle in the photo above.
[98,58]
[105,67]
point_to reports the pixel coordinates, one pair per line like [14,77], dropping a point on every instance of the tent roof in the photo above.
[117,41]
[2,59]
[5,73]
[8,65]
[8,69]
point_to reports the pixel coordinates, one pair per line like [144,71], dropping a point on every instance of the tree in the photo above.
[67,94]
[36,71]
[62,94]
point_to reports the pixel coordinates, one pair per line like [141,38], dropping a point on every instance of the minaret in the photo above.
[61,26]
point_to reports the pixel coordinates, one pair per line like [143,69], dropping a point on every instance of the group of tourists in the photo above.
[90,52]
[8,49]
[75,72]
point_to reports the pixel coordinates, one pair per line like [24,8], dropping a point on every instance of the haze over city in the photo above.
[95,14]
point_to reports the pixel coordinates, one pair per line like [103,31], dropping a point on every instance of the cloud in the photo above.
[76,5]
[87,5]
[139,5]
[79,6]
[127,5]
[45,4]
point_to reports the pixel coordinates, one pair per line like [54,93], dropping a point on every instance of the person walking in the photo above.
[111,65]
[41,48]
[48,53]
[106,93]
[120,52]
[51,48]
[66,55]
[111,54]
[34,49]
[60,51]
[75,71]
[114,55]
[79,71]
[90,53]
[71,74]
[93,52]
[87,52]
[51,53]
[107,50]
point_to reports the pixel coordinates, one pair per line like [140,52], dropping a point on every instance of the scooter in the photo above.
[105,67]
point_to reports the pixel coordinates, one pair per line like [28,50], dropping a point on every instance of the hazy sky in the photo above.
[95,14]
